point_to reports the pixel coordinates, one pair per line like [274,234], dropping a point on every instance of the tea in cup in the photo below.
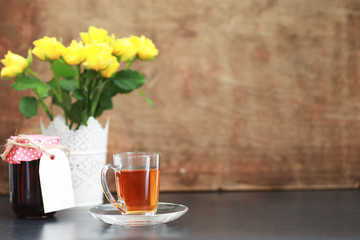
[137,179]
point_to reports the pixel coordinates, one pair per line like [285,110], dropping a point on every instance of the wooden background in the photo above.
[250,95]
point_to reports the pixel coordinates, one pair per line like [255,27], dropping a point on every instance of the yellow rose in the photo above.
[47,48]
[98,56]
[95,35]
[111,69]
[75,53]
[110,40]
[124,48]
[14,65]
[94,48]
[146,49]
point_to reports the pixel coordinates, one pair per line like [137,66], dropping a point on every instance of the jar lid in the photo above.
[31,151]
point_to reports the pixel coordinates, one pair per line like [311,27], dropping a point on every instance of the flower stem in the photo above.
[130,62]
[97,98]
[32,72]
[79,74]
[58,94]
[43,105]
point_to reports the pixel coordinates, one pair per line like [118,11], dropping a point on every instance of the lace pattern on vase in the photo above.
[88,148]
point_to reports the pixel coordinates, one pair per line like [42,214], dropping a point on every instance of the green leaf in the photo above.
[55,101]
[85,117]
[76,112]
[91,74]
[77,94]
[92,95]
[66,100]
[28,106]
[61,68]
[68,84]
[105,101]
[147,100]
[98,112]
[51,84]
[28,82]
[44,91]
[105,104]
[111,88]
[128,80]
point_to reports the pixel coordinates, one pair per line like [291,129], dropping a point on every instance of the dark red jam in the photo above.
[25,191]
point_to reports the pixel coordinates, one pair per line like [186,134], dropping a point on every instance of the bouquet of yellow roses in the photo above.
[86,74]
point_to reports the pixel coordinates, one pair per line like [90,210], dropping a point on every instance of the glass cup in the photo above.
[137,179]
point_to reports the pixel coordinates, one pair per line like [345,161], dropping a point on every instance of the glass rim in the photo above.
[136,154]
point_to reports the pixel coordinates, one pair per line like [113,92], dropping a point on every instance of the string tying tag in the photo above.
[40,145]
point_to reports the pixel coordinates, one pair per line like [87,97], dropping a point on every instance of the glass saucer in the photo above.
[166,212]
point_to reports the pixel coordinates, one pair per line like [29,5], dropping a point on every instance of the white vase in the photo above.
[88,148]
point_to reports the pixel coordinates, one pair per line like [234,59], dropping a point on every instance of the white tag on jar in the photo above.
[55,181]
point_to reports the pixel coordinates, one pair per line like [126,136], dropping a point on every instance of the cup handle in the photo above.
[120,203]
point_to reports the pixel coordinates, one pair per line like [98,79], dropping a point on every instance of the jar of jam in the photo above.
[25,190]
[24,180]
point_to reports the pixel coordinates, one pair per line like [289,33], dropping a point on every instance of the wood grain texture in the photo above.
[249,95]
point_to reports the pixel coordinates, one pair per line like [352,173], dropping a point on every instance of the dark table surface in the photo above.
[223,215]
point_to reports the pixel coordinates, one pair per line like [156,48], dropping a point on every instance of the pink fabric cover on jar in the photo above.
[18,154]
